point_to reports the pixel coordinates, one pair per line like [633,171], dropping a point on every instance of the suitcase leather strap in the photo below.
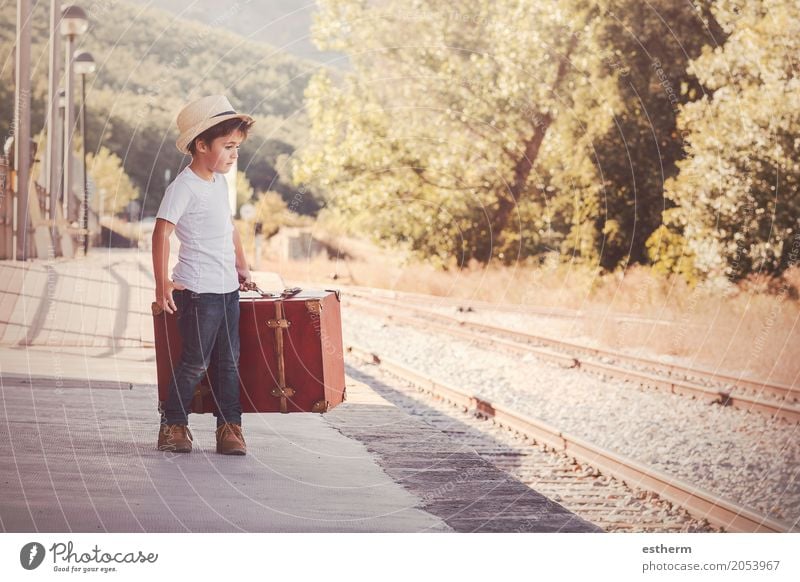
[279,324]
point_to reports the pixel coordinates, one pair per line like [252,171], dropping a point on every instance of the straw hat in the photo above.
[199,115]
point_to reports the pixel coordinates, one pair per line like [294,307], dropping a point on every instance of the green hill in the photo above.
[281,23]
[148,64]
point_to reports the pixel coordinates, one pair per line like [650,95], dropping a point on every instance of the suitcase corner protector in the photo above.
[320,406]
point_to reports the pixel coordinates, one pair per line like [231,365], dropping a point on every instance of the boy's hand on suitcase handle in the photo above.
[245,280]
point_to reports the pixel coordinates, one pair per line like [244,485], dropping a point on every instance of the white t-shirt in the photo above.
[202,217]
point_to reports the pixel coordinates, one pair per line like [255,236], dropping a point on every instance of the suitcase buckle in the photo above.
[284,392]
[279,323]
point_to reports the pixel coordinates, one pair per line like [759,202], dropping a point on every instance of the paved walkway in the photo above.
[78,397]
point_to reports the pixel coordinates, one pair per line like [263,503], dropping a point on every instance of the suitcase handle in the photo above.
[288,292]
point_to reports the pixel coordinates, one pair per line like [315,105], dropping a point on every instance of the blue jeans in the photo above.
[209,328]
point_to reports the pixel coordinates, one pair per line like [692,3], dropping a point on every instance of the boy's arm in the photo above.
[164,285]
[242,268]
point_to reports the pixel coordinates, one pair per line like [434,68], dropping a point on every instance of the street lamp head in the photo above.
[83,63]
[74,21]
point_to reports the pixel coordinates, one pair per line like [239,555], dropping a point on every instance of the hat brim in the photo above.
[184,139]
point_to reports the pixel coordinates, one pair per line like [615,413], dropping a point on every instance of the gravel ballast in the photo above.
[745,457]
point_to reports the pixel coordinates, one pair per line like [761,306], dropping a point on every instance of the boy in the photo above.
[211,269]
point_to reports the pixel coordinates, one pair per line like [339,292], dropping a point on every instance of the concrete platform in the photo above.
[102,300]
[79,422]
[452,481]
[84,460]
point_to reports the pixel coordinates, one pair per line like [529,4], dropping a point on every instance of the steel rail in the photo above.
[779,391]
[697,501]
[562,312]
[480,304]
[780,409]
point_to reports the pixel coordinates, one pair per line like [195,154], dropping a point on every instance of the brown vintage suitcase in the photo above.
[290,360]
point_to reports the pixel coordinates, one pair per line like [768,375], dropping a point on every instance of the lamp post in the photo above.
[83,64]
[73,24]
[22,125]
[59,183]
[52,182]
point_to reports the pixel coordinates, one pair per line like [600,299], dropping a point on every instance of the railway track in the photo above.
[726,390]
[617,493]
[475,304]
[425,300]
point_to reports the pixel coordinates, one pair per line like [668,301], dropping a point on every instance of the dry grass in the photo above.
[751,330]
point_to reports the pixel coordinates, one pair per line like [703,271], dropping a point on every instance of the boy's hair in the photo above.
[226,127]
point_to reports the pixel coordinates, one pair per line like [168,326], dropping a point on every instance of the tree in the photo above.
[111,182]
[462,132]
[149,65]
[736,196]
[244,191]
[271,212]
[650,45]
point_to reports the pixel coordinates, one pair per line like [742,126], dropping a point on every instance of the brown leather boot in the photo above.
[230,440]
[175,438]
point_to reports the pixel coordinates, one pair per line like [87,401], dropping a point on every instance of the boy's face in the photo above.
[222,153]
